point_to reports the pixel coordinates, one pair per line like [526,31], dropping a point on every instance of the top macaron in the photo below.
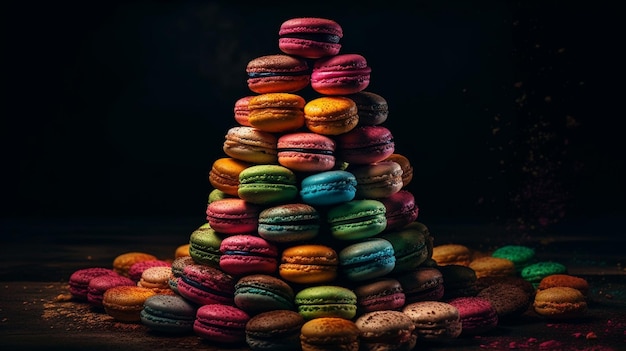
[310,37]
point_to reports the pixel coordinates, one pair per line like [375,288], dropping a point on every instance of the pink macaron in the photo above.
[340,75]
[241,110]
[79,280]
[400,209]
[233,216]
[135,271]
[98,285]
[247,254]
[225,324]
[204,284]
[365,144]
[306,152]
[477,314]
[310,37]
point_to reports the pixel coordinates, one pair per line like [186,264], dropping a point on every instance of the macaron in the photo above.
[330,115]
[224,174]
[377,180]
[526,286]
[434,320]
[100,284]
[579,283]
[135,271]
[367,259]
[310,37]
[372,108]
[233,216]
[247,254]
[492,266]
[560,302]
[459,281]
[409,246]
[326,301]
[275,330]
[535,272]
[379,294]
[422,284]
[225,324]
[356,219]
[309,264]
[289,223]
[181,250]
[341,74]
[217,194]
[124,303]
[446,254]
[79,280]
[400,209]
[257,293]
[156,278]
[204,245]
[306,152]
[329,333]
[520,255]
[169,314]
[405,164]
[241,111]
[267,184]
[204,285]
[386,330]
[251,145]
[277,74]
[276,112]
[510,301]
[365,144]
[328,188]
[178,265]
[477,314]
[123,262]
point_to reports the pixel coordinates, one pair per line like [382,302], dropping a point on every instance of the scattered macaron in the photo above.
[124,303]
[520,255]
[446,254]
[560,302]
[275,330]
[79,280]
[510,301]
[386,330]
[100,284]
[123,262]
[492,266]
[434,320]
[477,315]
[539,270]
[579,283]
[135,271]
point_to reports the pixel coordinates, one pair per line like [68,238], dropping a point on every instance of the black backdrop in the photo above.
[507,110]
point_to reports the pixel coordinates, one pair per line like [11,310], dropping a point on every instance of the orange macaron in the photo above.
[276,112]
[224,174]
[331,115]
[124,303]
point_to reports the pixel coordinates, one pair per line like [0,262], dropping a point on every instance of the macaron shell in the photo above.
[341,74]
[310,37]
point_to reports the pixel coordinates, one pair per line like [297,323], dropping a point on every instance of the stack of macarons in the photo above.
[311,239]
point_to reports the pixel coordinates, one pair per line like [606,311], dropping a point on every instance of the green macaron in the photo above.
[409,245]
[357,219]
[204,246]
[326,301]
[267,184]
[520,255]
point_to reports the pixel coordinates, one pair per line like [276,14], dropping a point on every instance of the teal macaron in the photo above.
[520,255]
[539,270]
[204,246]
[357,219]
[328,188]
[326,301]
[409,245]
[367,259]
[267,184]
[168,314]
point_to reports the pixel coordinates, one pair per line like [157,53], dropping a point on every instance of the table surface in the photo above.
[38,256]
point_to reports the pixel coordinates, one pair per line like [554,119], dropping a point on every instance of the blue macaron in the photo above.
[328,188]
[168,314]
[367,259]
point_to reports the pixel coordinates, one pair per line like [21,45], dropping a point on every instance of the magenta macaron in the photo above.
[247,254]
[205,284]
[340,75]
[477,314]
[401,209]
[306,152]
[220,323]
[365,144]
[79,280]
[233,216]
[310,37]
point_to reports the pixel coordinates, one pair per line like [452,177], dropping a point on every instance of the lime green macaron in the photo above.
[326,301]
[357,219]
[204,246]
[267,184]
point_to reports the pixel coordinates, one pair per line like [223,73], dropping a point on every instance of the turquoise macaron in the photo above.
[267,184]
[357,219]
[168,314]
[367,259]
[328,188]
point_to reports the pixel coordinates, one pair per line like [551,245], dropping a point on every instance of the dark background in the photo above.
[509,111]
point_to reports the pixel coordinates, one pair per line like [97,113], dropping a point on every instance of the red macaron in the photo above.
[340,75]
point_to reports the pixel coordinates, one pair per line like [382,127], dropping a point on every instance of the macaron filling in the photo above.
[319,37]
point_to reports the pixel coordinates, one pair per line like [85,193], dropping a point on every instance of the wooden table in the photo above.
[38,256]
